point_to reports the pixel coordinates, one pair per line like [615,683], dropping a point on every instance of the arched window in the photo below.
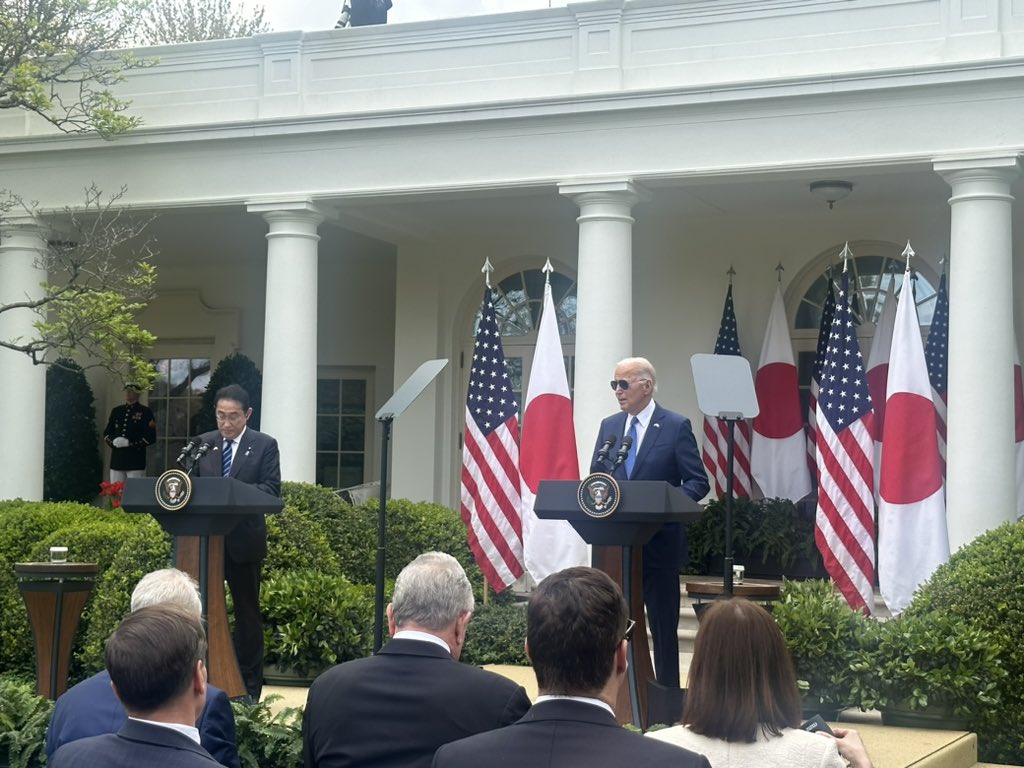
[870,279]
[518,301]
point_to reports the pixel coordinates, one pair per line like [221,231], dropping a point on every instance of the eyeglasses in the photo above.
[629,631]
[231,418]
[623,384]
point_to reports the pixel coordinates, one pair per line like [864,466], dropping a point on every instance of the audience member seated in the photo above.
[155,660]
[91,708]
[576,638]
[393,710]
[743,707]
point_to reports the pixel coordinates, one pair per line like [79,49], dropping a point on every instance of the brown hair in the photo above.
[741,676]
[152,655]
[575,621]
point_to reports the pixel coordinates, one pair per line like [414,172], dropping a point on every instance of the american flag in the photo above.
[715,442]
[828,311]
[845,521]
[491,507]
[936,354]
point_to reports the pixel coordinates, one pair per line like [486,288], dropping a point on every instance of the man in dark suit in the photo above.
[155,659]
[393,710]
[662,448]
[576,638]
[251,457]
[91,708]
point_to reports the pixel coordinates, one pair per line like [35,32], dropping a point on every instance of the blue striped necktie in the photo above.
[225,462]
[631,456]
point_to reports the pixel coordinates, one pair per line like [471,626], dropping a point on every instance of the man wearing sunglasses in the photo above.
[661,447]
[251,457]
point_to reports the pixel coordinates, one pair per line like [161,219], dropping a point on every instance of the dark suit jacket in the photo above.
[256,461]
[91,708]
[567,734]
[136,745]
[393,710]
[668,452]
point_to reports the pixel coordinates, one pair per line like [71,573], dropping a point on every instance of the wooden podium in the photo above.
[618,539]
[216,506]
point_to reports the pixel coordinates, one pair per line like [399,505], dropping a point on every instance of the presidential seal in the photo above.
[173,489]
[598,495]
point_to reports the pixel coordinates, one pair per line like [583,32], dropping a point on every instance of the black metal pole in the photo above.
[727,576]
[378,622]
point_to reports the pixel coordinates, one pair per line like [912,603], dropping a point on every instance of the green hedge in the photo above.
[982,583]
[497,635]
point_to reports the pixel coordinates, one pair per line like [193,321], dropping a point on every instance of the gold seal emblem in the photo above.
[598,495]
[173,489]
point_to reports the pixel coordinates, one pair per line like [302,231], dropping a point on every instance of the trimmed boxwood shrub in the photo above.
[314,619]
[296,540]
[825,636]
[982,583]
[496,635]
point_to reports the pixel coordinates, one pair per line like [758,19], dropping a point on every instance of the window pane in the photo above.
[179,376]
[327,470]
[177,418]
[353,433]
[353,396]
[351,470]
[327,396]
[326,433]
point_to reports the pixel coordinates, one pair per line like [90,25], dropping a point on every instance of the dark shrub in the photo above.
[236,368]
[72,467]
[496,635]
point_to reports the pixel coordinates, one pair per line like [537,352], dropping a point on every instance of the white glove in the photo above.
[120,442]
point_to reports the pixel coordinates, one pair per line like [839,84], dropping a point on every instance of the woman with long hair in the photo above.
[743,706]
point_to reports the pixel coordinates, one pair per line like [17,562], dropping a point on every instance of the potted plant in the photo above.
[932,670]
[825,636]
[313,620]
[771,537]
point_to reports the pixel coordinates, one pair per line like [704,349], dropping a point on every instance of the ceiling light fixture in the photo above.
[831,191]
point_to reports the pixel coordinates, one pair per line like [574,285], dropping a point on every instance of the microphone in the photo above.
[186,451]
[602,454]
[623,452]
[202,451]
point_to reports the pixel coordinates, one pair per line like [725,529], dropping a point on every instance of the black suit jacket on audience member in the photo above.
[91,708]
[256,461]
[394,710]
[567,734]
[136,745]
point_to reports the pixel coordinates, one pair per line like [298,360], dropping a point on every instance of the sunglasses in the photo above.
[629,631]
[623,384]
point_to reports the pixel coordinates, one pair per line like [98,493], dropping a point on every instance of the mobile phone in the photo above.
[816,724]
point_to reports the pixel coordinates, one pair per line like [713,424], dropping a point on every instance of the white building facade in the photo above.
[326,201]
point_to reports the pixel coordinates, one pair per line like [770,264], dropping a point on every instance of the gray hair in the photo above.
[431,592]
[643,367]
[168,585]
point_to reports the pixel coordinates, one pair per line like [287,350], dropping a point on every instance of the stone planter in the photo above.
[275,675]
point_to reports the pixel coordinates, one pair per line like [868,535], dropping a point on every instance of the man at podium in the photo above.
[645,441]
[250,457]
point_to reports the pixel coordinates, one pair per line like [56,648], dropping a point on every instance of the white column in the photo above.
[604,299]
[22,384]
[980,484]
[289,339]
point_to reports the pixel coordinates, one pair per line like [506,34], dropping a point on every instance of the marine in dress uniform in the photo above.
[131,429]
